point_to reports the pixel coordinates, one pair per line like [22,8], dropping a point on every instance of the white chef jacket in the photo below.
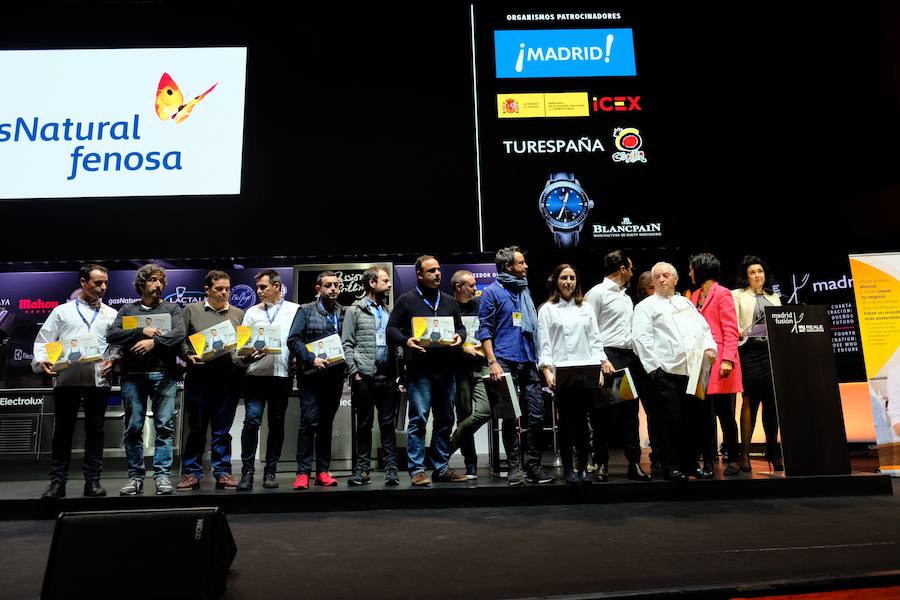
[568,332]
[670,334]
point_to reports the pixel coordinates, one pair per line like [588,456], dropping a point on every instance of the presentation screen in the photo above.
[121,122]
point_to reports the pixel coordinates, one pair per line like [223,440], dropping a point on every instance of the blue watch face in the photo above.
[564,206]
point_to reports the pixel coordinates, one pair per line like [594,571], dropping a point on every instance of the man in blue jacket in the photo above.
[508,327]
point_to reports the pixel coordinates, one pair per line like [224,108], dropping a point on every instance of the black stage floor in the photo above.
[19,498]
[678,549]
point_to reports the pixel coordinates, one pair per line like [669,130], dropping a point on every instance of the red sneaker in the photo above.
[325,479]
[302,482]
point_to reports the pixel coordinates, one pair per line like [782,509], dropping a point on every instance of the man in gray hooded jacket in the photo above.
[371,366]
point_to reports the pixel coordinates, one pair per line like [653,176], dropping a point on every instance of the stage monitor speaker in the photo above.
[160,553]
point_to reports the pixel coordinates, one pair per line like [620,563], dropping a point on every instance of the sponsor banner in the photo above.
[350,276]
[527,106]
[485,274]
[33,295]
[127,131]
[876,285]
[532,53]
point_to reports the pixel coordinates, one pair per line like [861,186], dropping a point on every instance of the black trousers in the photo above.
[573,405]
[367,394]
[259,391]
[623,416]
[320,398]
[672,406]
[66,402]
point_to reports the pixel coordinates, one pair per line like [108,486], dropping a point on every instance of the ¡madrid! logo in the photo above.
[169,105]
[628,141]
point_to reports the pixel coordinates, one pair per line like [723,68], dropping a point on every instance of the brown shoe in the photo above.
[420,480]
[188,482]
[450,476]
[226,482]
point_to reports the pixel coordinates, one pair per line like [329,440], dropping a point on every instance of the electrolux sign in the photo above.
[524,53]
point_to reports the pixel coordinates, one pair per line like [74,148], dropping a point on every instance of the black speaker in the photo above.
[161,553]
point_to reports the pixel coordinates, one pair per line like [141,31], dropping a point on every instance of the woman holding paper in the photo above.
[750,301]
[717,306]
[567,332]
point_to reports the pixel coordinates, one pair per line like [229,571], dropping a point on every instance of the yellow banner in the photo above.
[529,106]
[876,285]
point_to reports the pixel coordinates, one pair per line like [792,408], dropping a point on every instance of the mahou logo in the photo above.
[29,306]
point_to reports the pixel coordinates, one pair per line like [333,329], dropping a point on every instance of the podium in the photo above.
[813,439]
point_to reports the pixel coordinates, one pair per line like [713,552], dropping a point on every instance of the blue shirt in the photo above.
[381,319]
[496,324]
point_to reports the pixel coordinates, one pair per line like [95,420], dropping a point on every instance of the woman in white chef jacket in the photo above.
[567,331]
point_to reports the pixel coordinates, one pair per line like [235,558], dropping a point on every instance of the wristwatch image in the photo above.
[564,205]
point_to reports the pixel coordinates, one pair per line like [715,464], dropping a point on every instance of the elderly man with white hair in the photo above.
[672,339]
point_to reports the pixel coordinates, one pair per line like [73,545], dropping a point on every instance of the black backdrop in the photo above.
[780,123]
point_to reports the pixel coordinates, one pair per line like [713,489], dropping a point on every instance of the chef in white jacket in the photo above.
[567,331]
[672,340]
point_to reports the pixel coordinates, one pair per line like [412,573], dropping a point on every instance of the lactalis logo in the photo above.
[564,53]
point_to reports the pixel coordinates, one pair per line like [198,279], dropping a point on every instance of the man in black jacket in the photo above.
[320,385]
[430,372]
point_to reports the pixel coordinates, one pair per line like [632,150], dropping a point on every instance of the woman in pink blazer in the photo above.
[716,305]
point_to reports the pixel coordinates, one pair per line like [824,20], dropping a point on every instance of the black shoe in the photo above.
[572,478]
[704,472]
[56,489]
[269,480]
[676,476]
[246,483]
[636,473]
[539,475]
[602,473]
[391,476]
[656,468]
[361,478]
[92,488]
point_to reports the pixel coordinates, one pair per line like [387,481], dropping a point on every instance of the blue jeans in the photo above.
[160,388]
[210,401]
[430,390]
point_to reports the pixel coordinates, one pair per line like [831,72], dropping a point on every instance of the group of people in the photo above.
[660,341]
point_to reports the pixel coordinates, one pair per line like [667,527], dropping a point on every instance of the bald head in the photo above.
[665,277]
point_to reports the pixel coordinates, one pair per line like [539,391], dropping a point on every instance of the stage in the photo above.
[20,497]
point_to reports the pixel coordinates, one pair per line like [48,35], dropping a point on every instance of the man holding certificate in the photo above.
[320,383]
[268,379]
[429,371]
[673,341]
[568,334]
[149,373]
[85,383]
[212,387]
[614,310]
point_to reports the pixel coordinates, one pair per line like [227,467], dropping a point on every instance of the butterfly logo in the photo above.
[170,101]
